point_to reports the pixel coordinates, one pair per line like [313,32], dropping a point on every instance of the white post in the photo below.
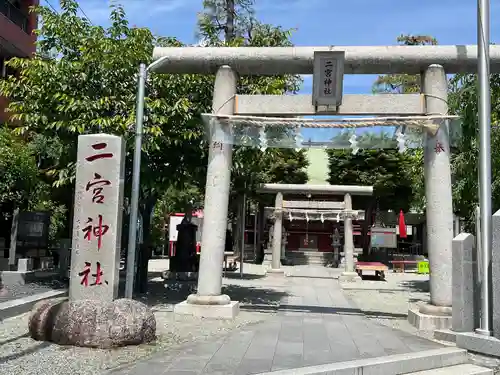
[209,302]
[284,241]
[348,274]
[438,194]
[277,233]
[255,233]
[243,225]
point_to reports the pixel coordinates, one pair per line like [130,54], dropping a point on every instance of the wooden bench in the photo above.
[378,267]
[399,265]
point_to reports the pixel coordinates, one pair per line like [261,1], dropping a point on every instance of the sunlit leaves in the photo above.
[403,83]
[463,101]
[252,167]
[83,80]
[388,171]
[18,168]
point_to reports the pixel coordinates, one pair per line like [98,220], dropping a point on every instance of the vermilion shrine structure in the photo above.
[326,210]
[432,62]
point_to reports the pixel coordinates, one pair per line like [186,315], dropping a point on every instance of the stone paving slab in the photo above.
[315,324]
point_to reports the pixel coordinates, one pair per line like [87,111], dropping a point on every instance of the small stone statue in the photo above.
[185,254]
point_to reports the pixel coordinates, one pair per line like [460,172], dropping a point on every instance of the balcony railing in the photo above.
[14,14]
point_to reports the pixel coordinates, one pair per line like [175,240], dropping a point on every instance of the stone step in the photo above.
[310,255]
[305,262]
[301,258]
[398,364]
[466,369]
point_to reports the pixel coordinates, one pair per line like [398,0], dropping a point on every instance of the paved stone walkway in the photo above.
[315,324]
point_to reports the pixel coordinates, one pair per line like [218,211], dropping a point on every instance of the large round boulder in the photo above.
[90,323]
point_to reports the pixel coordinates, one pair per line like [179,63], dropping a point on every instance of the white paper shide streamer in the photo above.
[263,138]
[354,144]
[400,138]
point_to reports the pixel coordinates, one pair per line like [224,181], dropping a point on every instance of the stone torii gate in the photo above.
[347,213]
[432,62]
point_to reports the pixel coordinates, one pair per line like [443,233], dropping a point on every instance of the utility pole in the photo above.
[484,114]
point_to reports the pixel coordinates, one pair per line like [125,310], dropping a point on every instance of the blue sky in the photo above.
[321,22]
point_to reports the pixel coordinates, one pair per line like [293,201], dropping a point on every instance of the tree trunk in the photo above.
[238,228]
[230,13]
[367,223]
[144,253]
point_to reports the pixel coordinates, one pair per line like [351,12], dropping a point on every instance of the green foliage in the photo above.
[57,217]
[233,23]
[175,199]
[462,101]
[403,83]
[387,170]
[90,86]
[416,174]
[18,168]
[407,84]
[21,185]
[83,80]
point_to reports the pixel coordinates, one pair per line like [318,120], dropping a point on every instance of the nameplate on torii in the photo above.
[314,205]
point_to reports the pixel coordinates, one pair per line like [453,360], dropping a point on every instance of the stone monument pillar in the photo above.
[277,234]
[97,222]
[439,210]
[495,275]
[209,302]
[349,274]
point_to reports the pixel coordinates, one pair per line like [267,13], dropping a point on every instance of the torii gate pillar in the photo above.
[439,207]
[209,301]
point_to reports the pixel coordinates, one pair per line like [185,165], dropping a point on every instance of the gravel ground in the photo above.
[20,355]
[19,291]
[387,302]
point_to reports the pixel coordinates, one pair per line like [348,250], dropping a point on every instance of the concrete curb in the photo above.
[446,335]
[22,305]
[387,365]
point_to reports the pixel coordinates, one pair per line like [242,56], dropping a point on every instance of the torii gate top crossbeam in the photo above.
[316,189]
[299,60]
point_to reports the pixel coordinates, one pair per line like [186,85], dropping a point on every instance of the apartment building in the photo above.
[16,35]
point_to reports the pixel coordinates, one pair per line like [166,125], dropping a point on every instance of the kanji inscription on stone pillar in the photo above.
[97,220]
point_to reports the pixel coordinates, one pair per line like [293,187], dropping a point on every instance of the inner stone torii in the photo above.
[432,62]
[347,213]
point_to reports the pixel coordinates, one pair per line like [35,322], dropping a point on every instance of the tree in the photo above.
[21,186]
[384,168]
[83,80]
[403,83]
[222,21]
[19,171]
[387,170]
[463,102]
[407,84]
[233,23]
